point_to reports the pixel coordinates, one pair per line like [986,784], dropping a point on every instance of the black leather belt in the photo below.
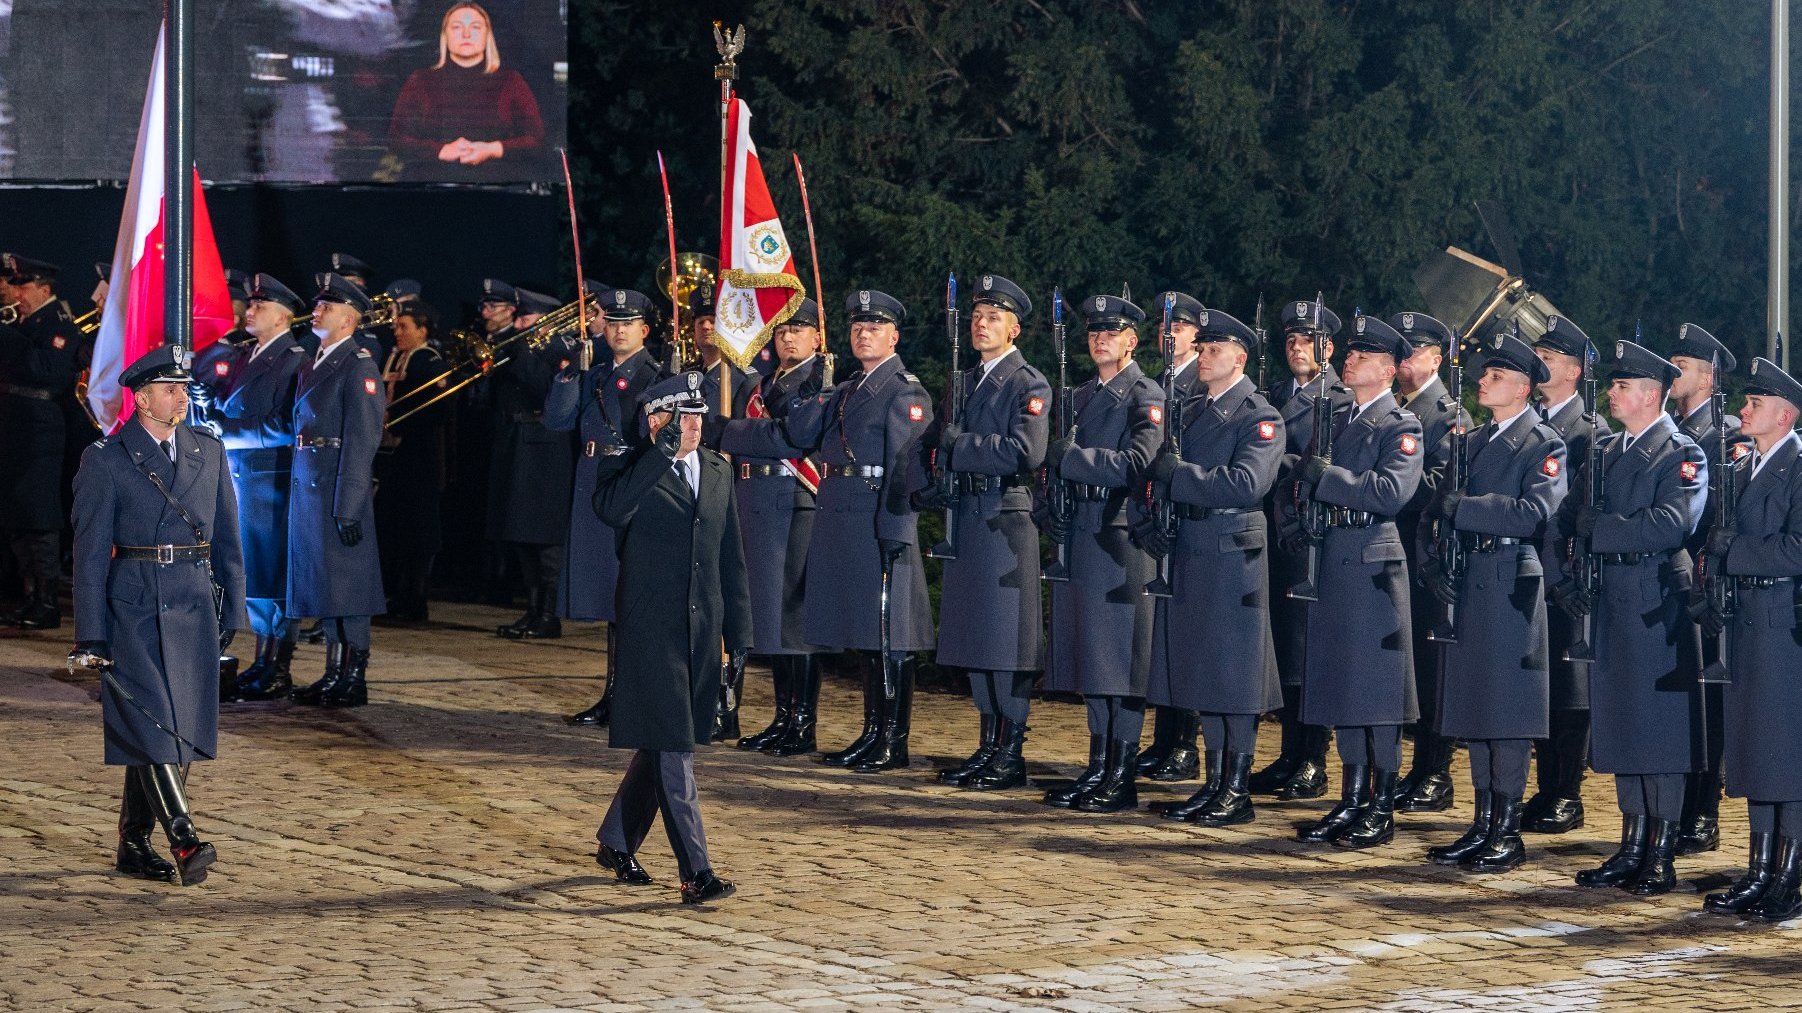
[35,393]
[852,471]
[163,553]
[761,471]
[595,448]
[525,416]
[982,485]
[1191,512]
[1488,543]
[1621,558]
[1344,517]
[1091,493]
[317,442]
[1750,583]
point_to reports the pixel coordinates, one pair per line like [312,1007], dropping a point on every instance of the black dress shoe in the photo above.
[1561,816]
[705,887]
[1308,781]
[1432,794]
[137,858]
[1182,764]
[1701,832]
[625,868]
[1272,778]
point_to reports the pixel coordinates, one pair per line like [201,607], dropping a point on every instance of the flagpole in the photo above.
[178,170]
[728,45]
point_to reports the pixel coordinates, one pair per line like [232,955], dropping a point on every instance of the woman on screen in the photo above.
[466,118]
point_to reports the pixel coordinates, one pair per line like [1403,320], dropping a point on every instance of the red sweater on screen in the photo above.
[437,106]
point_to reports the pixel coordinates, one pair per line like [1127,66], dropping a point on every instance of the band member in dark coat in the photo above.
[990,617]
[410,468]
[253,415]
[1232,447]
[1645,701]
[1427,787]
[1100,616]
[38,364]
[532,471]
[1557,805]
[1360,666]
[602,407]
[1762,548]
[1299,770]
[683,596]
[334,565]
[1704,361]
[1172,755]
[1495,691]
[156,525]
[866,430]
[776,506]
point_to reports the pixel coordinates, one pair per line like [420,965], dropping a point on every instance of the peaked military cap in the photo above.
[1510,352]
[867,304]
[626,304]
[238,284]
[1635,362]
[998,291]
[339,289]
[1184,308]
[1770,380]
[806,315]
[22,269]
[267,289]
[403,289]
[1214,325]
[164,363]
[1372,335]
[1697,343]
[1420,330]
[344,263]
[1111,313]
[496,290]
[535,302]
[1298,315]
[600,292]
[679,393]
[1565,338]
[700,301]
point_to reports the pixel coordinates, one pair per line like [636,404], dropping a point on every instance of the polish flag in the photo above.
[758,287]
[131,322]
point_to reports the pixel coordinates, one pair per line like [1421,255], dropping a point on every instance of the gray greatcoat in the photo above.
[338,399]
[1569,680]
[1763,720]
[1495,684]
[253,413]
[1101,617]
[1643,694]
[157,618]
[775,512]
[1212,648]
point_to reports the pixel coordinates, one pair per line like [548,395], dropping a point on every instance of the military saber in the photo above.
[675,317]
[954,414]
[827,360]
[1163,507]
[1314,511]
[1057,491]
[885,613]
[575,242]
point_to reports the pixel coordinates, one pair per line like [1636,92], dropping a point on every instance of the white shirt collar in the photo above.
[1761,459]
[1552,410]
[691,467]
[1502,427]
[325,350]
[989,366]
[1633,438]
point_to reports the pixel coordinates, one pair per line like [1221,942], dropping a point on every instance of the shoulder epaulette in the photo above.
[296,349]
[907,377]
[204,431]
[101,442]
[363,353]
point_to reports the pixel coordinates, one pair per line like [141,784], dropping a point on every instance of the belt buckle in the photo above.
[744,471]
[588,449]
[165,553]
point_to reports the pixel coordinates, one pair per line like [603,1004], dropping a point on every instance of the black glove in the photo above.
[1294,539]
[1313,468]
[1150,536]
[97,648]
[712,428]
[349,532]
[1586,521]
[1161,469]
[1720,542]
[1057,526]
[1573,599]
[1438,582]
[669,439]
[891,550]
[930,498]
[1447,504]
[1054,454]
[1711,621]
[948,434]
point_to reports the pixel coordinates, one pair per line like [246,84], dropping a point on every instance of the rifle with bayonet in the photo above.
[1448,548]
[954,418]
[1164,509]
[1719,594]
[1058,499]
[1314,512]
[1595,494]
[1257,326]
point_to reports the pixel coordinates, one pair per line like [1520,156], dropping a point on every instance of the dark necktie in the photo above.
[169,452]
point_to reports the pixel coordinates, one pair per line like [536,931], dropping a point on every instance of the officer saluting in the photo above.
[1759,545]
[334,568]
[1360,672]
[865,429]
[990,619]
[1232,447]
[601,406]
[1101,628]
[1642,686]
[1495,690]
[156,526]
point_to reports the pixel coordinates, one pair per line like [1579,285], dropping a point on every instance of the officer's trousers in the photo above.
[659,781]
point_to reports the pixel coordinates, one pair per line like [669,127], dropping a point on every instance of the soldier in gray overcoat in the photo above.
[1360,654]
[1212,649]
[1644,698]
[1761,545]
[1495,691]
[156,525]
[1100,616]
[990,618]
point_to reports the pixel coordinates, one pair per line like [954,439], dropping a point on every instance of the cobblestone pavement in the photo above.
[433,851]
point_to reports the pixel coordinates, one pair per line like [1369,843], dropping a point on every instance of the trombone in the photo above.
[479,354]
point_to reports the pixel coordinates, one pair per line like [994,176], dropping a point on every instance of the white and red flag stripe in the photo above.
[758,287]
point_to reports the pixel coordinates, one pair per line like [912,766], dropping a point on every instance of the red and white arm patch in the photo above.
[221,368]
[1157,414]
[370,386]
[1551,467]
[59,342]
[1689,470]
[620,383]
[1741,449]
[1266,430]
[1410,444]
[916,413]
[1035,406]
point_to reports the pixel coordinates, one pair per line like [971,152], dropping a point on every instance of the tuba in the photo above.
[694,271]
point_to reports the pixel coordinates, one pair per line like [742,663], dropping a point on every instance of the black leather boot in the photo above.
[136,856]
[42,612]
[1309,778]
[334,670]
[1354,796]
[534,609]
[1007,768]
[1432,791]
[275,681]
[1163,729]
[250,675]
[852,755]
[1701,827]
[1471,842]
[1782,900]
[1216,764]
[782,683]
[1277,774]
[1622,866]
[804,705]
[314,634]
[1181,761]
[1503,851]
[1656,873]
[548,625]
[732,693]
[1118,790]
[985,751]
[1230,806]
[163,787]
[1761,871]
[1062,798]
[890,750]
[351,690]
[1376,824]
[602,711]
[1562,811]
